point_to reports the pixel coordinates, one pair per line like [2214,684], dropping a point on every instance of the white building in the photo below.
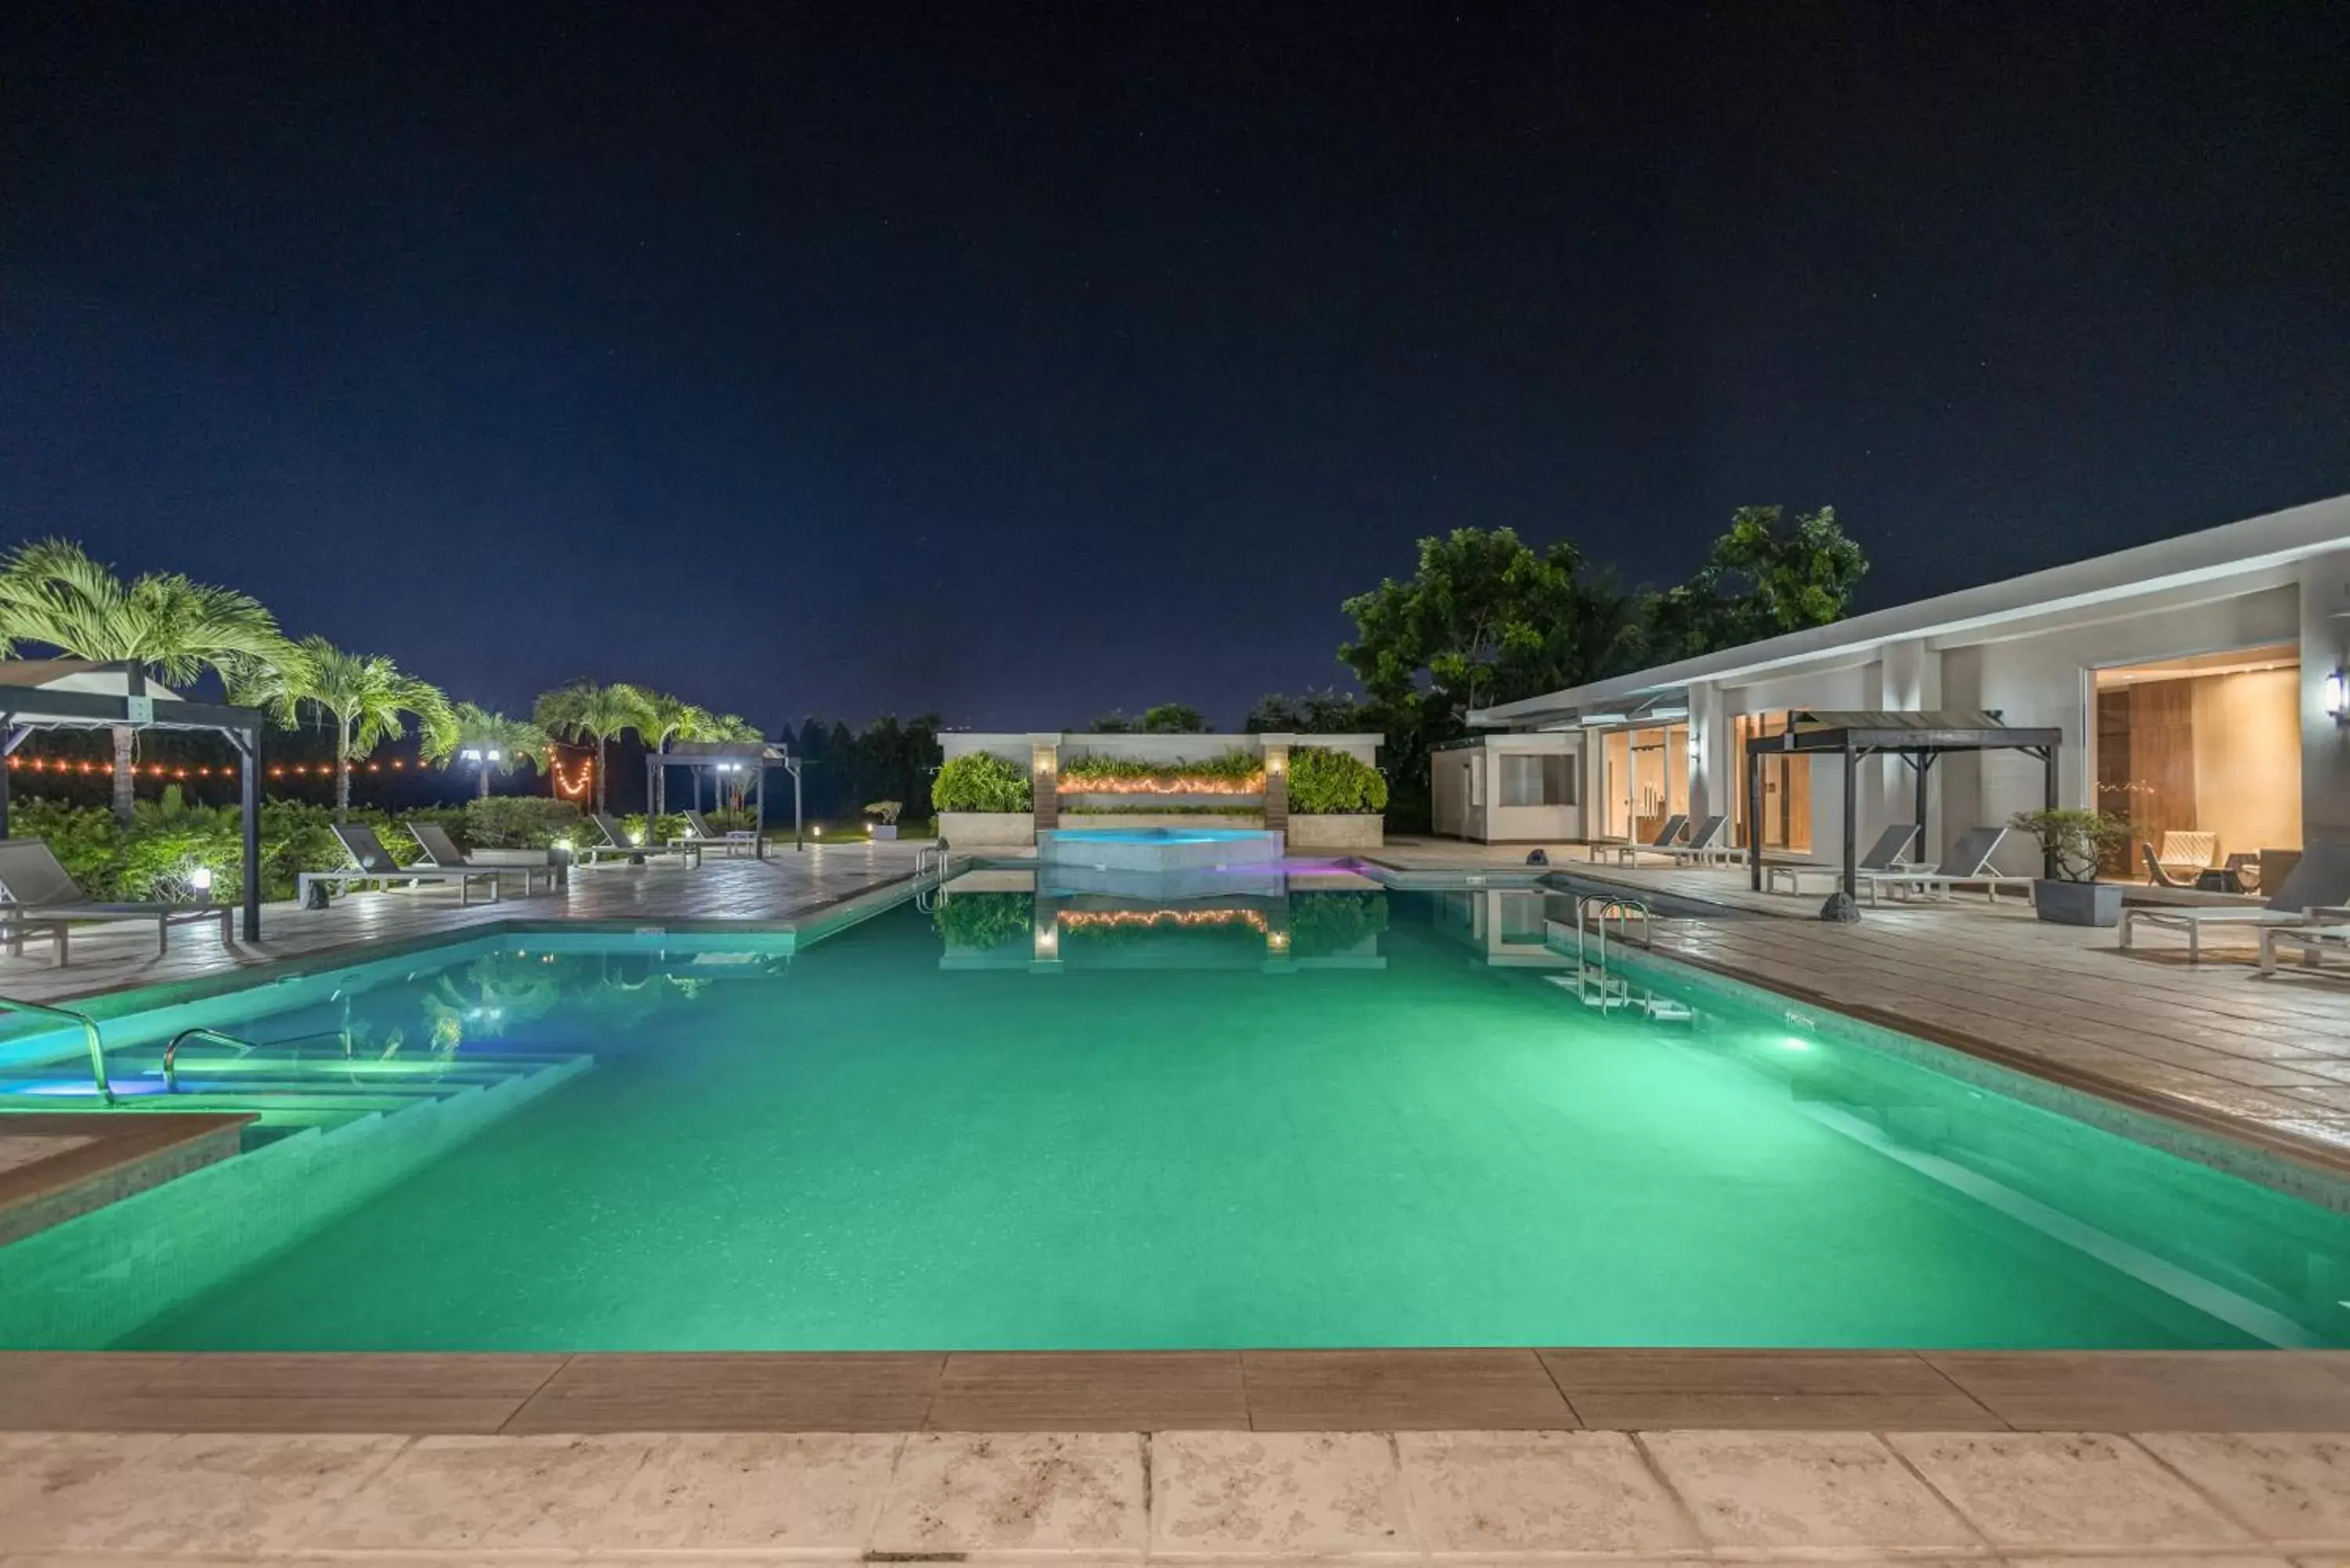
[2198,682]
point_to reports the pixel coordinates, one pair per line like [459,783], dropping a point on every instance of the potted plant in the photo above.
[887,811]
[2073,841]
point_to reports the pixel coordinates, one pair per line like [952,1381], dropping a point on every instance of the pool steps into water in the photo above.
[333,1134]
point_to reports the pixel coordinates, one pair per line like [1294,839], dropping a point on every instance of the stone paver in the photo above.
[1093,1498]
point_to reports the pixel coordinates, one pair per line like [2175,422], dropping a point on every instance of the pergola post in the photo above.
[2048,794]
[1923,762]
[759,823]
[13,736]
[1851,820]
[248,788]
[1754,815]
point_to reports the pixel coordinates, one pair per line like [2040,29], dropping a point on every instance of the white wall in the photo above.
[2323,604]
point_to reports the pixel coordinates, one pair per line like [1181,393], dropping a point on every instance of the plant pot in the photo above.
[883,831]
[2077,903]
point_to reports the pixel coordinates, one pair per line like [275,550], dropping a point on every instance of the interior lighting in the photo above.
[2337,695]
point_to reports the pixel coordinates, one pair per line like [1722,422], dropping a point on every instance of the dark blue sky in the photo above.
[1019,362]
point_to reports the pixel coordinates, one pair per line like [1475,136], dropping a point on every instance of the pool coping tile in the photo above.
[783,1391]
[1089,1391]
[1401,1390]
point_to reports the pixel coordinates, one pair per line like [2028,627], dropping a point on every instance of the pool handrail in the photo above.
[89,1034]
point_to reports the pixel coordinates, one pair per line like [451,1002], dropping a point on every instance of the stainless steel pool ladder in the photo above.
[931,878]
[172,1051]
[89,1034]
[1591,929]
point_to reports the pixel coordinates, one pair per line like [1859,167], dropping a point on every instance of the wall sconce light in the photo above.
[2337,696]
[1277,766]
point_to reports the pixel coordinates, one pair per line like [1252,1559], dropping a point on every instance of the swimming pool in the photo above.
[1350,1118]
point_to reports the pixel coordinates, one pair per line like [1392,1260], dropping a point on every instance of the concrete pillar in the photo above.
[2324,739]
[1276,781]
[1713,760]
[1045,780]
[1908,680]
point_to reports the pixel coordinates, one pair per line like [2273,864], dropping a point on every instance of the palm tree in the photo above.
[52,593]
[500,744]
[587,711]
[668,718]
[366,696]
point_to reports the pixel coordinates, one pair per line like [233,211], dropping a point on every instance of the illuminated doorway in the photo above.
[2210,744]
[1786,790]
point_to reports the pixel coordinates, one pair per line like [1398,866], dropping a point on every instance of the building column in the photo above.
[1276,781]
[1711,756]
[1908,680]
[2324,739]
[1045,781]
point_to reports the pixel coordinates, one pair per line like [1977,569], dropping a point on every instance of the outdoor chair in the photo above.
[1630,853]
[441,852]
[39,892]
[2312,940]
[1969,862]
[371,862]
[1885,854]
[1707,841]
[619,846]
[2157,874]
[2184,856]
[736,841]
[2317,889]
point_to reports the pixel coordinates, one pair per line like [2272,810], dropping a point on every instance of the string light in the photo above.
[1102,918]
[564,784]
[1159,784]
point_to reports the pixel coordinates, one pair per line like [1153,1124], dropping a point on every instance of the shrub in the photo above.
[1235,766]
[521,822]
[978,782]
[665,828]
[154,857]
[887,810]
[1324,783]
[2076,840]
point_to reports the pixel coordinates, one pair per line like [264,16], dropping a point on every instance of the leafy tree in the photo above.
[1174,719]
[587,711]
[1764,578]
[363,698]
[53,594]
[669,718]
[1485,618]
[1117,721]
[504,743]
[1325,712]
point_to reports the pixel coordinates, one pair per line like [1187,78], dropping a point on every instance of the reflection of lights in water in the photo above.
[1277,941]
[1791,1042]
[1081,920]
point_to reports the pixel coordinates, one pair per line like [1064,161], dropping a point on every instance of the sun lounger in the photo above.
[38,890]
[1885,854]
[1969,862]
[2312,941]
[619,846]
[2318,888]
[442,851]
[737,841]
[1709,841]
[371,862]
[1630,852]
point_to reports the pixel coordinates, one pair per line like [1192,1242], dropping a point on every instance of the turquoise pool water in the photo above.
[1328,1119]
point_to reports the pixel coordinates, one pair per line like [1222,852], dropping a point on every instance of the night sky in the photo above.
[1019,362]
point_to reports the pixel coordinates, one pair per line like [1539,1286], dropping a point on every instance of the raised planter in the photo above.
[882,832]
[1312,835]
[987,829]
[2077,903]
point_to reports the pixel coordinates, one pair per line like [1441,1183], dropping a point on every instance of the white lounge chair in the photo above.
[1630,853]
[619,845]
[1709,841]
[1969,862]
[371,862]
[1885,854]
[440,851]
[2312,941]
[39,891]
[2187,855]
[2318,888]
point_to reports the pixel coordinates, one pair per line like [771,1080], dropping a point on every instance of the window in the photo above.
[1536,779]
[2209,746]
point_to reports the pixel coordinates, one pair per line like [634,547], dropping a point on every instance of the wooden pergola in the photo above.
[1919,739]
[76,694]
